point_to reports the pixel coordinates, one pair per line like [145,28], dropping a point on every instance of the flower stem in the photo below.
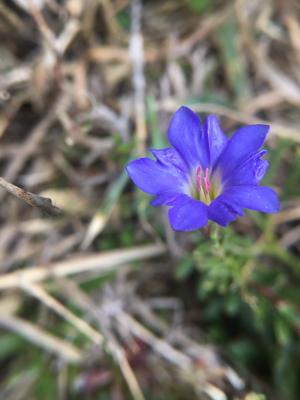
[215,235]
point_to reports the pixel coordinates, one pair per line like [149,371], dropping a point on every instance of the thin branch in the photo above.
[42,203]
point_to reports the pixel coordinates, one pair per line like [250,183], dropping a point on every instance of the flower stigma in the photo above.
[205,186]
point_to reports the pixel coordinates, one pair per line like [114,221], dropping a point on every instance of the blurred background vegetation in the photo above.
[103,300]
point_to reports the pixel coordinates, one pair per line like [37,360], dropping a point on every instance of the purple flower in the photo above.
[204,175]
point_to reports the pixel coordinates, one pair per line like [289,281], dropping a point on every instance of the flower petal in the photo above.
[221,212]
[164,199]
[250,172]
[154,178]
[246,141]
[259,198]
[215,138]
[226,207]
[188,214]
[186,135]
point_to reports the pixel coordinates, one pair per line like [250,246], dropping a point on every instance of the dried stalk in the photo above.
[42,203]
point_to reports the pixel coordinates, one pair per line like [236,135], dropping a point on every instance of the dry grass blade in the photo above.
[136,51]
[49,301]
[100,219]
[168,352]
[75,294]
[282,131]
[281,82]
[119,355]
[184,363]
[30,144]
[40,338]
[206,26]
[288,215]
[291,237]
[103,263]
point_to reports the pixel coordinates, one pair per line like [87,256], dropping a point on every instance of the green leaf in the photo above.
[184,268]
[199,5]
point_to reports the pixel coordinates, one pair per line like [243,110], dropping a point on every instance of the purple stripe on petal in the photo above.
[172,160]
[249,172]
[188,214]
[164,199]
[215,138]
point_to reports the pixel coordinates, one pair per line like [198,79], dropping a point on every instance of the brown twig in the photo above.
[42,203]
